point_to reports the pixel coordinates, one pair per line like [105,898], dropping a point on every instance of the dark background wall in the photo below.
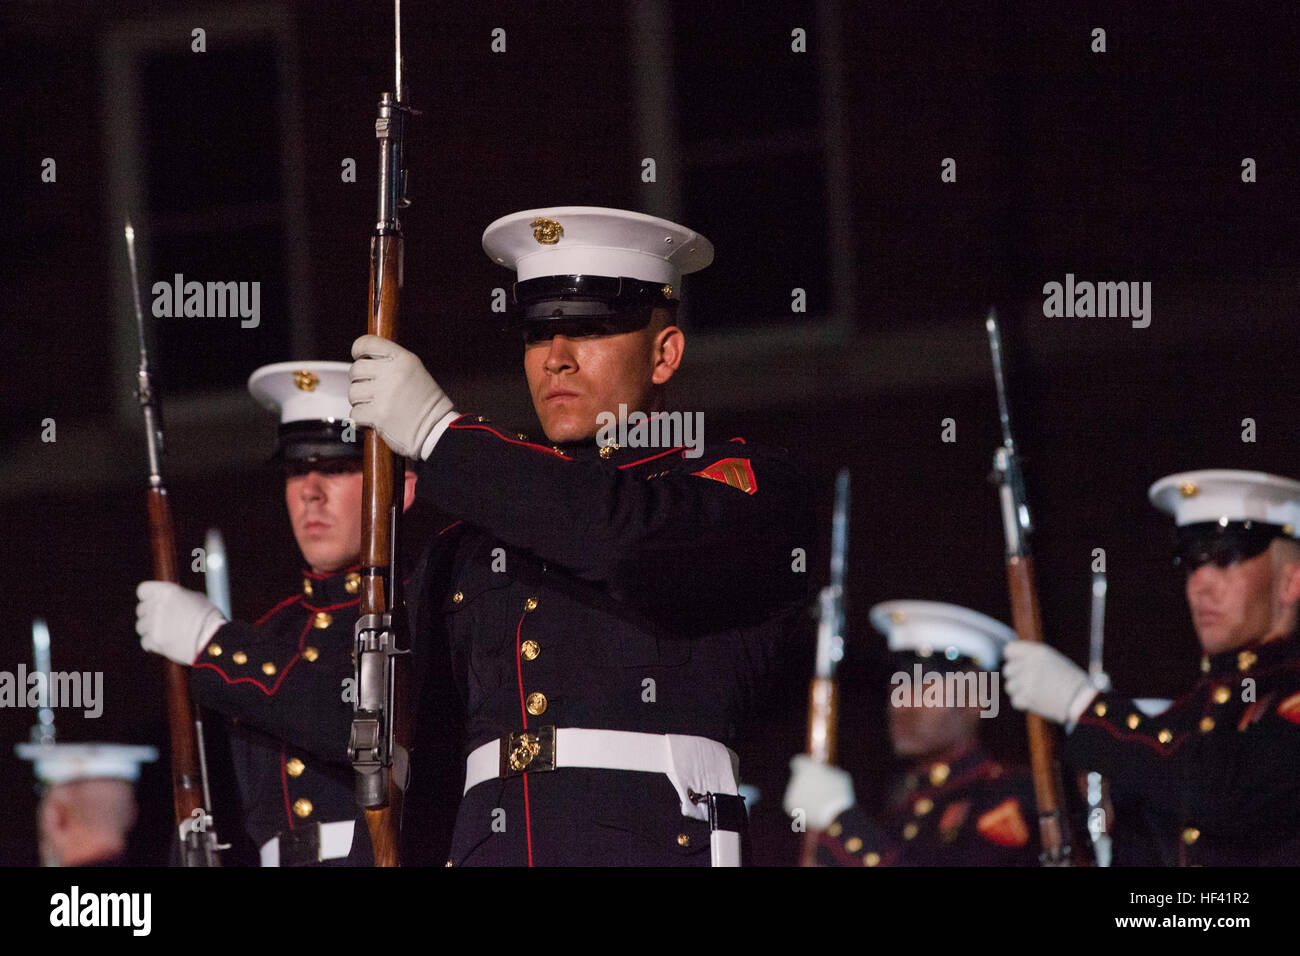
[816,170]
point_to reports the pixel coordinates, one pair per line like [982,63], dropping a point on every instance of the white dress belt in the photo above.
[335,842]
[692,764]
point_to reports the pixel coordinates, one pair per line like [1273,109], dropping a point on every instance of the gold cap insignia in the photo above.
[667,291]
[546,231]
[898,617]
[1188,489]
[305,380]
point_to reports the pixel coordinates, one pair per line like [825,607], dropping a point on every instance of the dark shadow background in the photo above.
[1117,166]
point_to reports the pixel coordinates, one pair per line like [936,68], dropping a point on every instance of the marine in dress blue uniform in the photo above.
[1213,780]
[955,805]
[280,679]
[608,613]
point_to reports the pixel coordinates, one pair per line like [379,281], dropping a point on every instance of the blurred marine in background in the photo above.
[956,805]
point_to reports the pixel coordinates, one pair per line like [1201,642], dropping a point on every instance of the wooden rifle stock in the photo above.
[378,527]
[1028,624]
[823,723]
[187,781]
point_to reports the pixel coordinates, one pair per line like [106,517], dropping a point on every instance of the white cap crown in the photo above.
[932,627]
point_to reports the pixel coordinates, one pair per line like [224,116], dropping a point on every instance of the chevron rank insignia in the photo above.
[1290,708]
[732,471]
[1004,825]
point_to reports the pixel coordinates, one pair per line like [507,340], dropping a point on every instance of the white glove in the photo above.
[821,792]
[174,622]
[1042,679]
[392,393]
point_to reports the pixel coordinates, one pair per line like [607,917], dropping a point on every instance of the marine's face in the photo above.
[325,510]
[917,732]
[575,372]
[1235,605]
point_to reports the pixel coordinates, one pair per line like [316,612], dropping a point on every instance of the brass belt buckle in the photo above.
[528,751]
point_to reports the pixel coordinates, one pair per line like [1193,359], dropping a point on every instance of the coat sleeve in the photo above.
[676,534]
[301,703]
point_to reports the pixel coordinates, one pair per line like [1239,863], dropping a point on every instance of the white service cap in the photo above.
[66,763]
[1224,495]
[932,627]
[311,399]
[547,247]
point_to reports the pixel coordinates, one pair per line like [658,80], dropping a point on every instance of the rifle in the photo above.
[380,725]
[1052,824]
[1096,784]
[43,730]
[823,690]
[198,836]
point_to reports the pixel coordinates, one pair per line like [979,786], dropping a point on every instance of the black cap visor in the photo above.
[550,298]
[1223,545]
[313,441]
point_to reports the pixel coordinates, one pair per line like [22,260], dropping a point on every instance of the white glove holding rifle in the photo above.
[1041,679]
[392,393]
[174,622]
[820,791]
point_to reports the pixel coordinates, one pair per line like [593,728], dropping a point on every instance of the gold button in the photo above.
[239,657]
[1221,695]
[910,831]
[1207,724]
[294,767]
[853,844]
[683,839]
[1205,665]
[214,650]
[322,620]
[457,597]
[268,668]
[938,774]
[923,806]
[871,859]
[302,807]
[352,583]
[1245,659]
[835,829]
[1100,709]
[536,704]
[606,451]
[530,650]
[1164,736]
[1133,721]
[1191,835]
[306,586]
[310,653]
[530,604]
